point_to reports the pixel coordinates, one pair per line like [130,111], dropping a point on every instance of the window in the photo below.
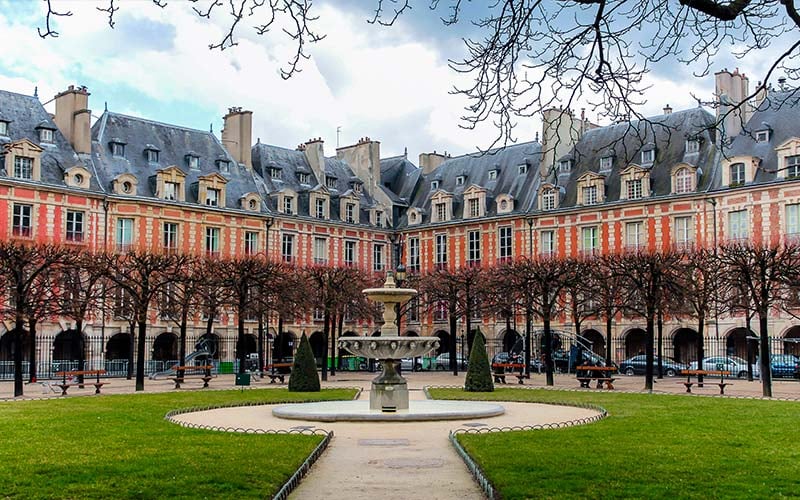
[212,197]
[590,195]
[152,156]
[319,314]
[319,208]
[305,178]
[127,187]
[648,156]
[692,146]
[350,212]
[474,248]
[330,182]
[505,240]
[589,240]
[320,251]
[474,207]
[441,212]
[377,257]
[634,235]
[212,241]
[737,174]
[523,169]
[250,243]
[738,225]
[118,149]
[634,188]
[564,166]
[434,185]
[793,219]
[46,135]
[492,175]
[22,223]
[124,234]
[275,173]
[3,128]
[460,180]
[605,163]
[548,199]
[412,310]
[441,250]
[171,190]
[349,253]
[793,167]
[379,218]
[683,232]
[357,187]
[170,236]
[440,311]
[287,247]
[74,226]
[683,181]
[23,167]
[547,243]
[288,202]
[224,166]
[193,161]
[504,205]
[252,204]
[762,136]
[413,254]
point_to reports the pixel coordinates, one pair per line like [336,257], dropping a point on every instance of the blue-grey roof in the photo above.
[625,142]
[174,143]
[779,113]
[25,114]
[399,178]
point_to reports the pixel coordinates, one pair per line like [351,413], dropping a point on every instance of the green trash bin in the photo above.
[243,379]
[225,367]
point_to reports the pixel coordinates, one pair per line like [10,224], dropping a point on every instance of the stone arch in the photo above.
[349,333]
[67,346]
[376,333]
[249,344]
[510,339]
[411,333]
[165,346]
[119,346]
[7,346]
[318,346]
[791,341]
[596,341]
[444,341]
[684,345]
[283,347]
[211,343]
[736,342]
[635,342]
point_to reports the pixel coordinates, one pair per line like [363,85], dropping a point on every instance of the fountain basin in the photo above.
[346,411]
[394,347]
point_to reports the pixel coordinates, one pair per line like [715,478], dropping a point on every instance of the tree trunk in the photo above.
[334,321]
[182,348]
[260,345]
[660,325]
[141,354]
[338,358]
[766,371]
[453,360]
[32,351]
[325,331]
[527,343]
[749,344]
[649,358]
[548,350]
[240,337]
[81,349]
[701,351]
[17,339]
[609,323]
[131,349]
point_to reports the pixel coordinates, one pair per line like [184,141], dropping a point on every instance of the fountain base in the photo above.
[359,411]
[388,397]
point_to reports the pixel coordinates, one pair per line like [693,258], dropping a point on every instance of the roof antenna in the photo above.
[105,103]
[338,130]
[211,127]
[36,91]
[405,152]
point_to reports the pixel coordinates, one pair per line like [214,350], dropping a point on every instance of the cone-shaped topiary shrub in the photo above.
[304,377]
[479,375]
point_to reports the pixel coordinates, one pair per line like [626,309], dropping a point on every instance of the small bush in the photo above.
[479,375]
[304,377]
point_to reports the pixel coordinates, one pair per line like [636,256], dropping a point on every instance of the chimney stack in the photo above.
[667,110]
[237,135]
[428,162]
[315,155]
[73,118]
[364,157]
[731,89]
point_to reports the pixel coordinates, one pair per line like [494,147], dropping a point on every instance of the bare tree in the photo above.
[606,293]
[443,288]
[580,293]
[178,301]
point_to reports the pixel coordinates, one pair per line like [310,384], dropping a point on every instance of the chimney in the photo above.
[730,90]
[364,157]
[73,118]
[560,132]
[315,155]
[237,135]
[667,110]
[429,162]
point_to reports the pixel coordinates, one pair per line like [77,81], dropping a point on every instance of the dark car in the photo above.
[506,357]
[784,365]
[637,365]
[563,363]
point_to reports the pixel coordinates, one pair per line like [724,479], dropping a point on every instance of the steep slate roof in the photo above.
[174,143]
[292,161]
[476,168]
[399,178]
[24,114]
[668,133]
[779,112]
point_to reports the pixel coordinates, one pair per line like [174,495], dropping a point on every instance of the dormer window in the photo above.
[79,179]
[379,218]
[762,135]
[320,208]
[127,187]
[522,169]
[275,173]
[171,191]
[330,182]
[460,180]
[288,205]
[224,166]
[634,188]
[152,156]
[124,184]
[46,135]
[117,148]
[737,177]
[793,167]
[692,146]
[252,204]
[413,217]
[684,181]
[492,175]
[350,213]
[589,195]
[434,185]
[648,156]
[4,128]
[23,167]
[304,178]
[193,161]
[357,187]
[605,163]
[564,166]
[212,197]
[251,201]
[549,197]
[441,212]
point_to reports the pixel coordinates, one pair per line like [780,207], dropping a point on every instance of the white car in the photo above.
[733,364]
[443,361]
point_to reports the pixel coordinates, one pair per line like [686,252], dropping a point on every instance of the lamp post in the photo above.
[530,222]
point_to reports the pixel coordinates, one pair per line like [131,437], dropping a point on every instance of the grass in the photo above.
[650,446]
[120,446]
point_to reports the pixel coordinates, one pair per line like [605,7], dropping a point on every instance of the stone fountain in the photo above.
[389,390]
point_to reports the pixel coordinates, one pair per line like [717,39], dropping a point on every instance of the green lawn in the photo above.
[121,447]
[650,446]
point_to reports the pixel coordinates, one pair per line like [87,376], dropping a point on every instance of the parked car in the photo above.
[733,364]
[442,361]
[415,364]
[561,360]
[783,365]
[637,365]
[506,357]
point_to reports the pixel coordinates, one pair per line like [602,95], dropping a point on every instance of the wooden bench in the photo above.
[500,370]
[181,376]
[601,374]
[77,374]
[698,373]
[279,371]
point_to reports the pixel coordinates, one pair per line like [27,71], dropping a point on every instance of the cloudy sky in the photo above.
[391,84]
